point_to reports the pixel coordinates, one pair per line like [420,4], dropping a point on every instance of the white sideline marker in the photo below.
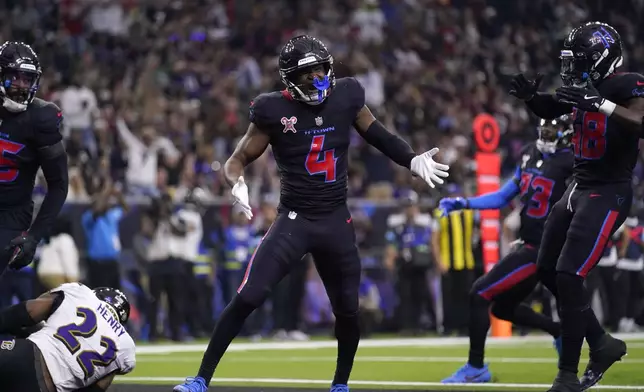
[368,383]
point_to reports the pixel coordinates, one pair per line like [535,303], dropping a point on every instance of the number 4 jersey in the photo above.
[310,144]
[542,179]
[605,153]
[83,341]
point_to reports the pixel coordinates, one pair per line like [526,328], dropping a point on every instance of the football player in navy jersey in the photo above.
[608,122]
[30,139]
[308,126]
[540,180]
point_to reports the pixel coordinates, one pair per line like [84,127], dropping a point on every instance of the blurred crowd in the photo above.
[155,93]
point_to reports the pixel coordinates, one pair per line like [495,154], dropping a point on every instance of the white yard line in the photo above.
[372,343]
[365,383]
[165,359]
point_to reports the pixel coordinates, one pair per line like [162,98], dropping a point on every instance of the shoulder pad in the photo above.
[623,86]
[352,89]
[46,118]
[529,149]
[260,109]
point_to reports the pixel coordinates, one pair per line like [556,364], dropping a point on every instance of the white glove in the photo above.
[425,167]
[240,196]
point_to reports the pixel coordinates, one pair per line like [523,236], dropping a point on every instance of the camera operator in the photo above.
[165,272]
[186,232]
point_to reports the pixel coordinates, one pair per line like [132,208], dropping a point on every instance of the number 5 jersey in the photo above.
[83,341]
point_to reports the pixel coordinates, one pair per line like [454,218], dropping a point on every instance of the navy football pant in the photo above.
[574,238]
[504,288]
[331,241]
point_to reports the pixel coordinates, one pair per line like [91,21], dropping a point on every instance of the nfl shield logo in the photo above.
[318,121]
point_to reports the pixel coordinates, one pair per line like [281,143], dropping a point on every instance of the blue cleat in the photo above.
[469,374]
[192,384]
[339,388]
[558,344]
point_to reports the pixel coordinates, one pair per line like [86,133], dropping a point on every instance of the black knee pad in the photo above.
[347,327]
[549,279]
[572,294]
[502,310]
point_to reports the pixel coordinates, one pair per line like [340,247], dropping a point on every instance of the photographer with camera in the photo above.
[165,273]
[186,232]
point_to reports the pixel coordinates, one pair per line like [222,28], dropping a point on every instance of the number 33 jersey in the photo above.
[605,153]
[310,144]
[542,180]
[83,340]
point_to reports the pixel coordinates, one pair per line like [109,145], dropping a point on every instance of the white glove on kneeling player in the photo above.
[425,167]
[240,196]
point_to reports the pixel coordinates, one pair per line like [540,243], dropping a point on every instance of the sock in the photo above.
[478,326]
[347,332]
[573,304]
[525,316]
[228,326]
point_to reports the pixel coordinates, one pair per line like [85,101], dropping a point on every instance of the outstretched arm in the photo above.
[546,106]
[543,105]
[249,148]
[488,201]
[396,149]
[494,200]
[393,146]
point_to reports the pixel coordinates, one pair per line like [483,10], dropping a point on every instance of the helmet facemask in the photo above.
[591,53]
[18,87]
[551,136]
[310,84]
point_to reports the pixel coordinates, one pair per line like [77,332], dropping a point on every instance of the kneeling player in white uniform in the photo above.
[80,343]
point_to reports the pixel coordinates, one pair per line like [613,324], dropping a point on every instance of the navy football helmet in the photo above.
[591,53]
[306,68]
[116,300]
[20,73]
[555,134]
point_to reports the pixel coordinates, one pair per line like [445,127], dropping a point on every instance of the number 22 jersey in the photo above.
[83,341]
[605,153]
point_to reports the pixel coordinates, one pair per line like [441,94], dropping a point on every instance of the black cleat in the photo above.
[609,351]
[565,382]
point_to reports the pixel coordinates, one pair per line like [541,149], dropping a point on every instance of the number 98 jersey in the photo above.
[310,144]
[542,180]
[606,153]
[83,341]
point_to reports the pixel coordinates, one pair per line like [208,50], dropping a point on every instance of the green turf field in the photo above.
[387,364]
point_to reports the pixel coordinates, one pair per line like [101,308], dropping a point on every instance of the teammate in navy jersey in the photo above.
[608,123]
[540,179]
[308,126]
[30,140]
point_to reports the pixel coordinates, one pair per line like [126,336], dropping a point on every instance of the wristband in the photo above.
[607,107]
